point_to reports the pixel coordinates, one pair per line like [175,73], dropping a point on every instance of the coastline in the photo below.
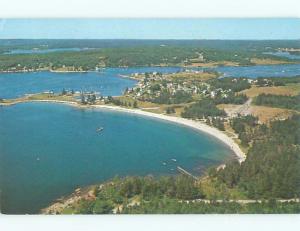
[201,65]
[87,192]
[197,125]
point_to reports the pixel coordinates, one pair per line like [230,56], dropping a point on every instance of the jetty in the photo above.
[185,172]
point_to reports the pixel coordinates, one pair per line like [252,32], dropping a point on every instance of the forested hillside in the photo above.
[272,167]
[280,101]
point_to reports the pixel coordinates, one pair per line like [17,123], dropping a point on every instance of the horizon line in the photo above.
[156,39]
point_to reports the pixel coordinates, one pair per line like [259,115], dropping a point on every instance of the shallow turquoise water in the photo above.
[48,150]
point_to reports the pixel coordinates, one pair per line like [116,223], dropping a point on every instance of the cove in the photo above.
[48,150]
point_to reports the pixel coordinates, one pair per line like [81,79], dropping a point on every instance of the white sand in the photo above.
[187,122]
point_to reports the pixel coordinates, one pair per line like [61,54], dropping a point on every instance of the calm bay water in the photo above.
[108,82]
[261,71]
[48,150]
[284,54]
[14,85]
[43,51]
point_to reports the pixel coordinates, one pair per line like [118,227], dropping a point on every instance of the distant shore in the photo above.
[256,62]
[200,126]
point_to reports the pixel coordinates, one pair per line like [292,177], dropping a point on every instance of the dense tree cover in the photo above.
[124,53]
[170,110]
[272,166]
[120,191]
[278,81]
[166,97]
[169,206]
[179,187]
[166,195]
[218,123]
[239,123]
[104,43]
[119,102]
[89,59]
[202,109]
[244,127]
[233,84]
[281,101]
[231,98]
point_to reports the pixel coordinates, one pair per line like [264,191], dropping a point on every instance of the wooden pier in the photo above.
[185,172]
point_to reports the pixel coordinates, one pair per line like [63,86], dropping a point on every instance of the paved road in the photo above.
[241,201]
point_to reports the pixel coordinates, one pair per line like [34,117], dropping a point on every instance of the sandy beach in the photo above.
[200,126]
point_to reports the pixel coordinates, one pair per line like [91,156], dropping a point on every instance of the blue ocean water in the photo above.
[48,150]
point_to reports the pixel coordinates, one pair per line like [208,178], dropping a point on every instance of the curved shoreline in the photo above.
[197,125]
[186,122]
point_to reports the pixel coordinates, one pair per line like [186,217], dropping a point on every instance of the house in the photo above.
[201,57]
[213,94]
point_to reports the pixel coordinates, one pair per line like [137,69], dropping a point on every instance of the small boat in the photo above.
[99,129]
[174,160]
[37,159]
[164,163]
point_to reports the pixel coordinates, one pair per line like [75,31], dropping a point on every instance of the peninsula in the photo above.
[256,116]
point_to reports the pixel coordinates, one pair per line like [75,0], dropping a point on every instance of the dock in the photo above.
[185,172]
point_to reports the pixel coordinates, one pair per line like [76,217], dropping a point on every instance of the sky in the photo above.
[280,28]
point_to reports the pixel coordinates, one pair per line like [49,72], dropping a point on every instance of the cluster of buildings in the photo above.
[216,92]
[151,85]
[259,82]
